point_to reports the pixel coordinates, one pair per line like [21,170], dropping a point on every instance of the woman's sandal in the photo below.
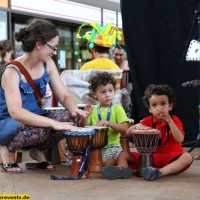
[43,166]
[6,168]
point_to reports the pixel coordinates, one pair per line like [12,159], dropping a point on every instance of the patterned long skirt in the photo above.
[42,138]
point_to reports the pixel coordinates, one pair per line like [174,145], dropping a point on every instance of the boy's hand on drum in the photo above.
[103,123]
[141,127]
[65,126]
[138,126]
[79,113]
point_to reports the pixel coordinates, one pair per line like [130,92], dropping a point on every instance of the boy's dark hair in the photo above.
[101,78]
[158,90]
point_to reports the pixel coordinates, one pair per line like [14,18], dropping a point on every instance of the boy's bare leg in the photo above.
[110,162]
[184,160]
[124,158]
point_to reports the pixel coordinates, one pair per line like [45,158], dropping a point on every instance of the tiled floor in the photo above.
[40,187]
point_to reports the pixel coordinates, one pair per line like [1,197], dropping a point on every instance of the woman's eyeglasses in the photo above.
[53,48]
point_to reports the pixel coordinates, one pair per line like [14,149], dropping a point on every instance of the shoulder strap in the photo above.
[28,78]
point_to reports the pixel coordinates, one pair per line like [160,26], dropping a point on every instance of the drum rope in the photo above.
[65,154]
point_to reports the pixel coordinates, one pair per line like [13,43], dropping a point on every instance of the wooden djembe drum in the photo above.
[146,142]
[79,143]
[99,141]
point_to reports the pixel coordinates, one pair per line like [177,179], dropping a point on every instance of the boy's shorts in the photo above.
[111,151]
[160,160]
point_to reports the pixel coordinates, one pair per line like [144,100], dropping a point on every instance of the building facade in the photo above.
[67,16]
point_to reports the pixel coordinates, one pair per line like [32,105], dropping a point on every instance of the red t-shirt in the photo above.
[172,146]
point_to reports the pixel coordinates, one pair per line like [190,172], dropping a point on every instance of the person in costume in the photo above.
[101,60]
[169,157]
[100,40]
[119,56]
[120,59]
[106,113]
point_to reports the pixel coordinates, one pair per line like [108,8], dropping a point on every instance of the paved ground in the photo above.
[40,187]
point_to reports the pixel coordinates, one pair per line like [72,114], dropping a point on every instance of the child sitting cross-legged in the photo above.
[169,158]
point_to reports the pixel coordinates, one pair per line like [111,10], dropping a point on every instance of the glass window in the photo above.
[66,57]
[65,51]
[3,25]
[18,50]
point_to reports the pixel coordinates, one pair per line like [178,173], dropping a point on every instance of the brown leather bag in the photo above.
[28,78]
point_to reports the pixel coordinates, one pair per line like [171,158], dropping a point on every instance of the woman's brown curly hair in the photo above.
[36,30]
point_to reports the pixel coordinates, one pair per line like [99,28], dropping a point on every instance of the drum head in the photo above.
[96,127]
[81,105]
[49,109]
[79,132]
[147,131]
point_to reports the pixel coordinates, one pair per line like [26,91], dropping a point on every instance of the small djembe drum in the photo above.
[79,143]
[99,141]
[146,142]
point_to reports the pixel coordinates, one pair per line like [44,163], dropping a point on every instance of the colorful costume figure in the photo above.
[106,36]
[100,40]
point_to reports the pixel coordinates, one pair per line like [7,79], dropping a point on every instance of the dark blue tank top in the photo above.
[7,124]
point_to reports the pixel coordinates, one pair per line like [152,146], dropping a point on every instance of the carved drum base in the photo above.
[96,162]
[145,160]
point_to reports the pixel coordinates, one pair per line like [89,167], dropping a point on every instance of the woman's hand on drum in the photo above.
[64,126]
[79,113]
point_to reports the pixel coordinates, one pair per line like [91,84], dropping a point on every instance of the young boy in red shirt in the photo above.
[168,158]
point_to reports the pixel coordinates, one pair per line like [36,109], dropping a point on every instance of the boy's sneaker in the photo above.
[115,172]
[150,173]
